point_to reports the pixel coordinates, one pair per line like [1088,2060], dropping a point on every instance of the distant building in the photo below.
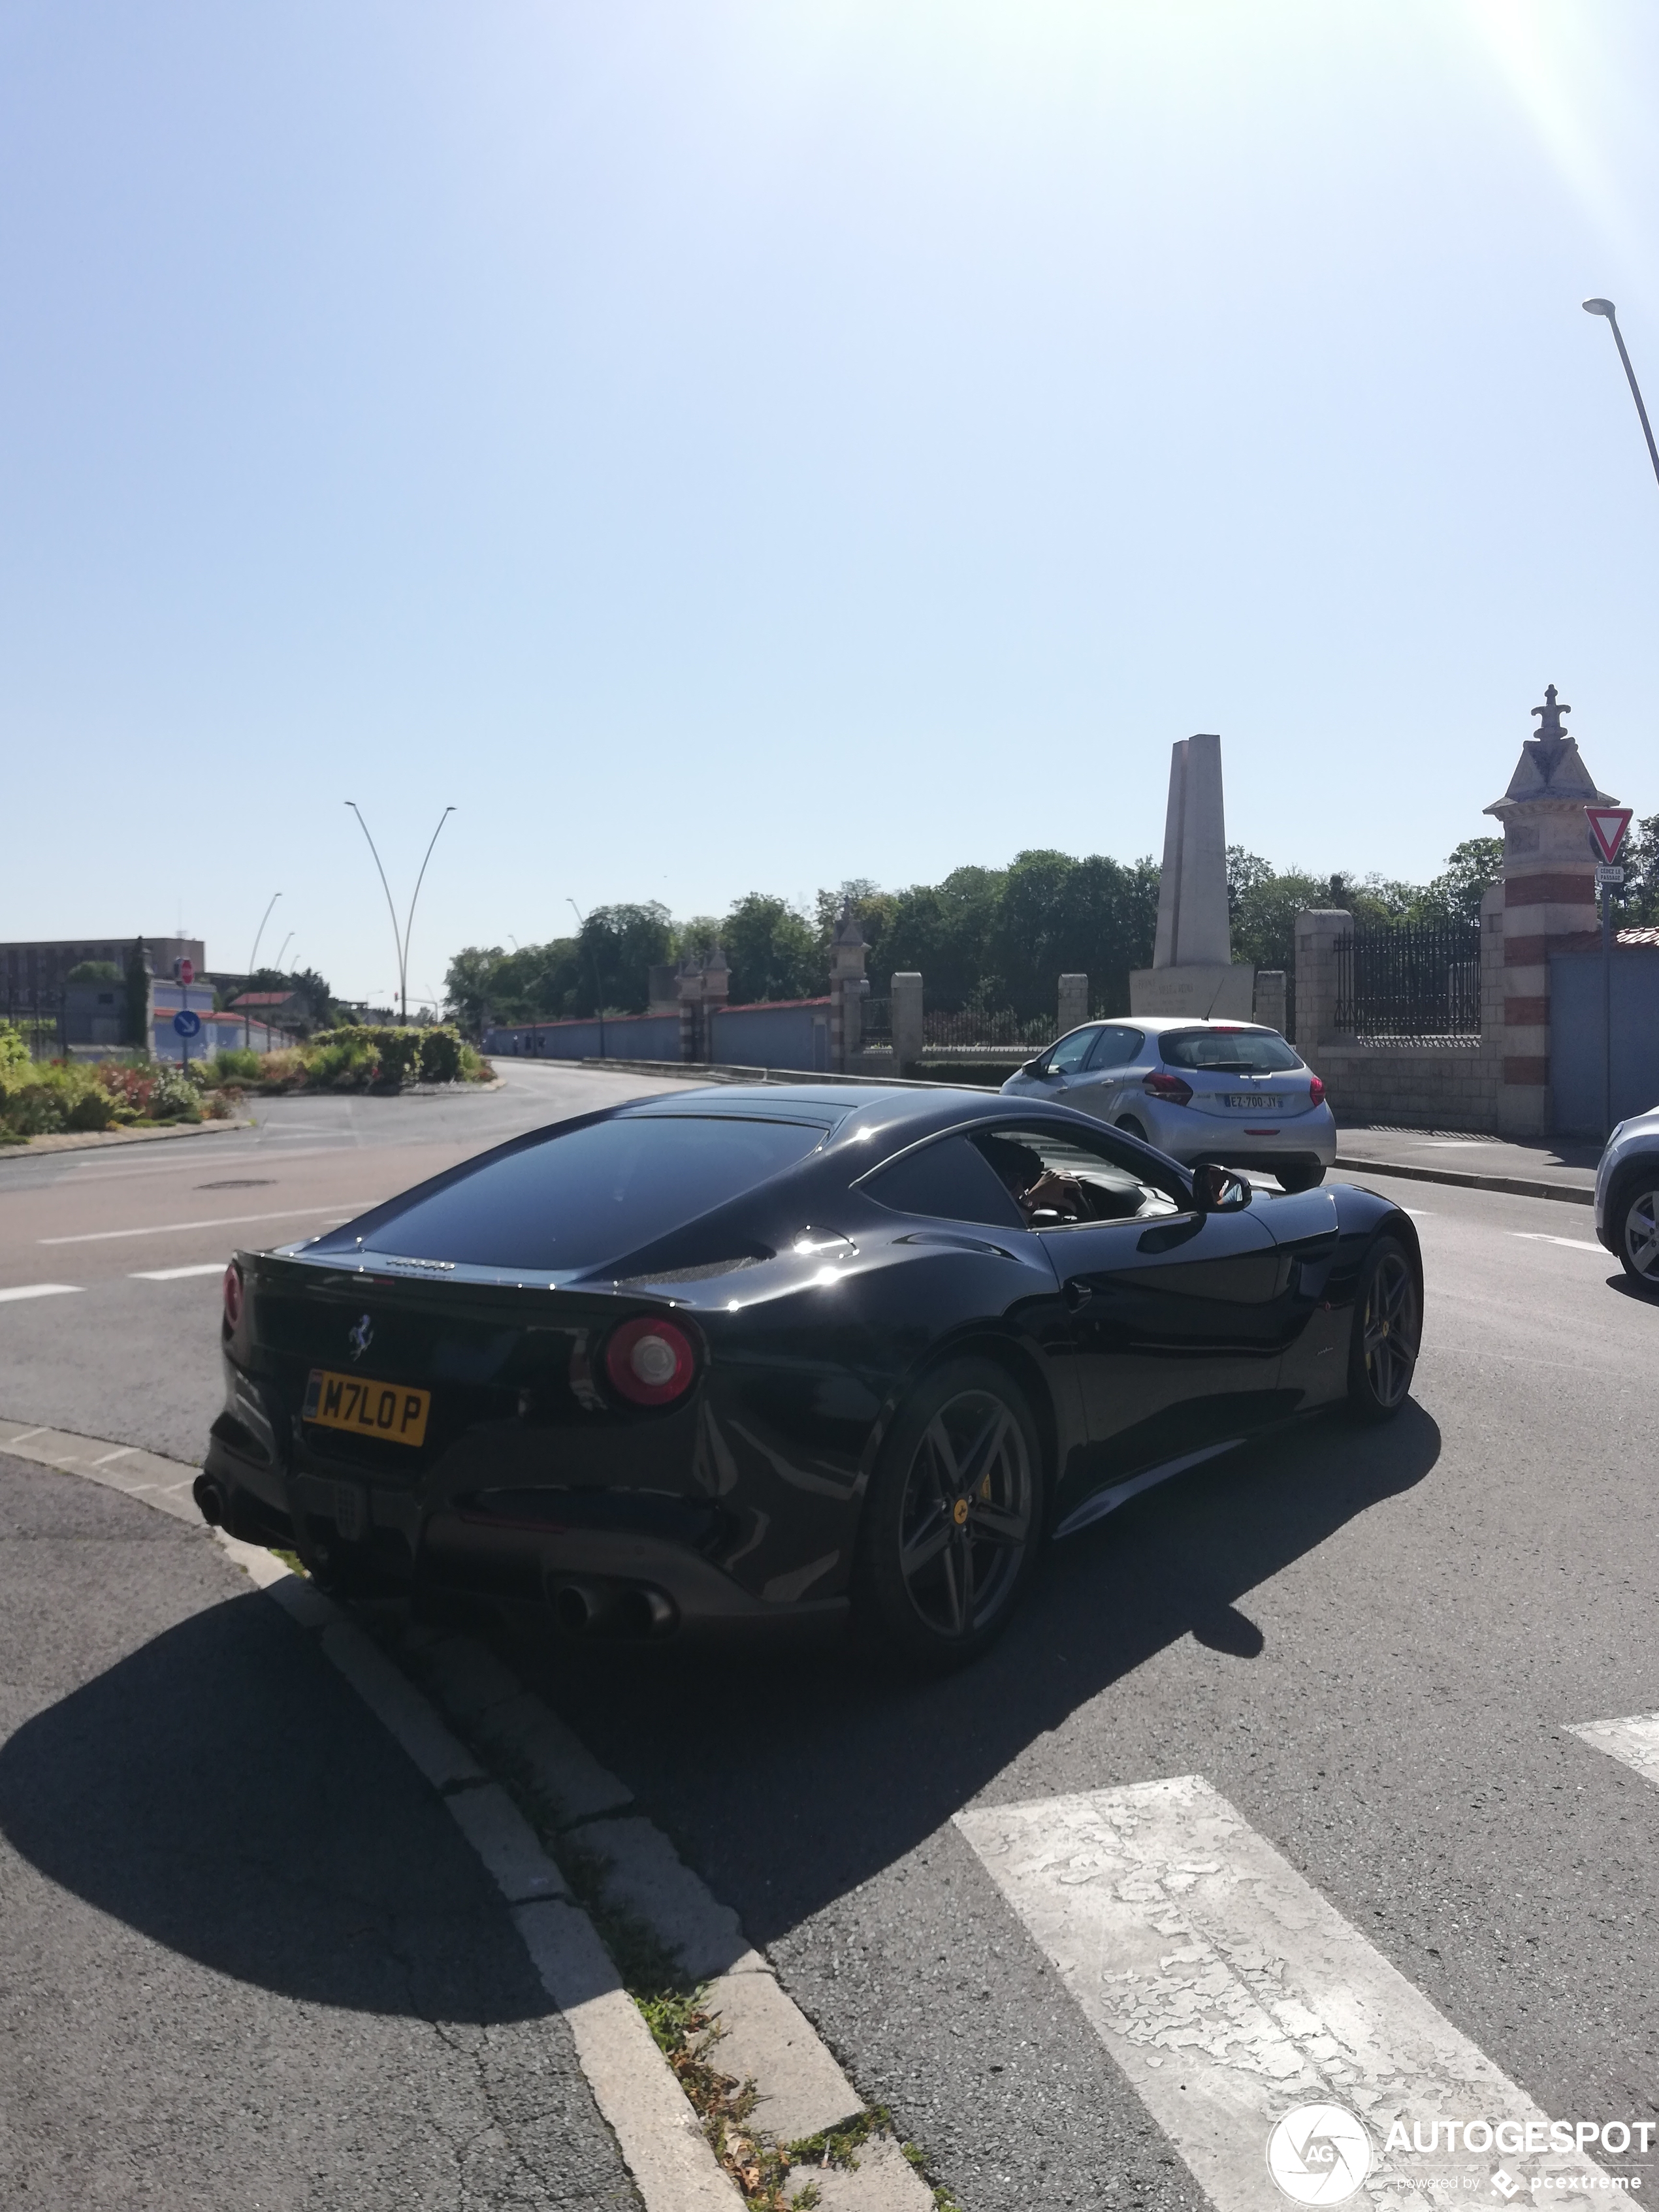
[28,969]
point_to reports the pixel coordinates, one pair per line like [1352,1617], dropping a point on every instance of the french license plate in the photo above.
[364,1408]
[1254,1101]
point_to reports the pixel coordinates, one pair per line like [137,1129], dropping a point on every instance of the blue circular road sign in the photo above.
[185,1023]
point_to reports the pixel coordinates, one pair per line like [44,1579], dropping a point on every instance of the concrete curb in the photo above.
[93,1141]
[1570,1194]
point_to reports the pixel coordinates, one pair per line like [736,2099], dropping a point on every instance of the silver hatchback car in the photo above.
[1228,1091]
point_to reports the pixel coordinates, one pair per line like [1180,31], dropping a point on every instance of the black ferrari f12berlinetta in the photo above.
[726,1357]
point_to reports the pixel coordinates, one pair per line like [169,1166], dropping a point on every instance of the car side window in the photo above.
[949,1179]
[1070,1054]
[1115,1048]
[1059,1177]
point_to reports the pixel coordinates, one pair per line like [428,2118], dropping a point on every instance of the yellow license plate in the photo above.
[389,1410]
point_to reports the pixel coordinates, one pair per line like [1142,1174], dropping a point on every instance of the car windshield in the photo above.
[1229,1052]
[576,1200]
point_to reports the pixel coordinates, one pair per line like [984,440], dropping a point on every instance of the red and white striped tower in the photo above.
[1549,902]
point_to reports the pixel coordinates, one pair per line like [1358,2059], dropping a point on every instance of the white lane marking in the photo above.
[1571,1244]
[166,1228]
[177,1274]
[39,1291]
[1230,1992]
[1633,1741]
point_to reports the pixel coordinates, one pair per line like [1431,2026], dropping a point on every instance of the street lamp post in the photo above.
[598,988]
[247,1011]
[1606,308]
[401,941]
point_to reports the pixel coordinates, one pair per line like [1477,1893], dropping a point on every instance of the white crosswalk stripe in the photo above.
[178,1275]
[1231,1993]
[1633,1741]
[1568,1243]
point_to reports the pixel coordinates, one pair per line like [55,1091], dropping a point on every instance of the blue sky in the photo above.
[742,444]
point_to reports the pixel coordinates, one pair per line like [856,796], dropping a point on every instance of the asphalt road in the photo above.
[1372,1643]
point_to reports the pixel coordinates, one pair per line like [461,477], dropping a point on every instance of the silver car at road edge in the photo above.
[1230,1091]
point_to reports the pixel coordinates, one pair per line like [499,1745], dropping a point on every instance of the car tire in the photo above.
[953,1517]
[1305,1175]
[1632,1220]
[1388,1332]
[1131,1128]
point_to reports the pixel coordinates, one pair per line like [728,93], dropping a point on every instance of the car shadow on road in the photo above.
[221,1791]
[790,1780]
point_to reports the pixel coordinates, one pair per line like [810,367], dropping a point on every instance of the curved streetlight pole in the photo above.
[400,941]
[1605,307]
[247,1011]
[598,988]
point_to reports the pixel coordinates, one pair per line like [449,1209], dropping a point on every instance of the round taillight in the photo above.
[650,1363]
[233,1295]
[1316,1091]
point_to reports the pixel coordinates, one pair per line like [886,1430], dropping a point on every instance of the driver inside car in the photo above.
[1034,1188]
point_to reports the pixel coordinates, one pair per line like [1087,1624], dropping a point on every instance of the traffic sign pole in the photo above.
[1608,827]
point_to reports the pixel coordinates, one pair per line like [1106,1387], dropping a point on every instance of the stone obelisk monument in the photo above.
[1193,971]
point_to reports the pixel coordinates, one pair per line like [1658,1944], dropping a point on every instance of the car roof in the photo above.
[852,1112]
[1157,1024]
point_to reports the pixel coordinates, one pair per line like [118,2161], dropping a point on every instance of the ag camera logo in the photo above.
[1319,2154]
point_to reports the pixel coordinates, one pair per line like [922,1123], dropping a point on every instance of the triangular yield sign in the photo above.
[1608,825]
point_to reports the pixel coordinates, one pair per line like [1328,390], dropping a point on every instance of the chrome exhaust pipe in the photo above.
[646,1612]
[578,1607]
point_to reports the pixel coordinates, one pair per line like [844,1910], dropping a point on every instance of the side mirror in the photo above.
[1219,1190]
[1037,1067]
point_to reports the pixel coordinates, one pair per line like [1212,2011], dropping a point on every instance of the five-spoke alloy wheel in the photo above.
[1635,1221]
[954,1515]
[1388,1331]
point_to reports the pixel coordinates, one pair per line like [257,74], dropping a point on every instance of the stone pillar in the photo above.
[1271,997]
[1549,901]
[1073,1003]
[906,1024]
[1318,932]
[1193,972]
[688,984]
[1191,889]
[847,952]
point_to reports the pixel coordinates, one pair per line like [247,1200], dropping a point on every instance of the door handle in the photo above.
[1076,1293]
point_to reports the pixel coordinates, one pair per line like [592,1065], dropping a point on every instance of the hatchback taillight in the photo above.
[1316,1091]
[1169,1088]
[650,1361]
[233,1295]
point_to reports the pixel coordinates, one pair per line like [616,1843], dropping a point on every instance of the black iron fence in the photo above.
[980,1029]
[1399,980]
[38,1016]
[876,1021]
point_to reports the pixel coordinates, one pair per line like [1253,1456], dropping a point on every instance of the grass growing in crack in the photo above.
[675,2011]
[945,2197]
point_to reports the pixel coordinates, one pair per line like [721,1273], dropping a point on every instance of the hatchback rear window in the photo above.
[1231,1052]
[592,1194]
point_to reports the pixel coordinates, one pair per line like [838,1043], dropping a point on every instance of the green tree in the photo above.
[94,971]
[772,949]
[1455,894]
[470,987]
[616,951]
